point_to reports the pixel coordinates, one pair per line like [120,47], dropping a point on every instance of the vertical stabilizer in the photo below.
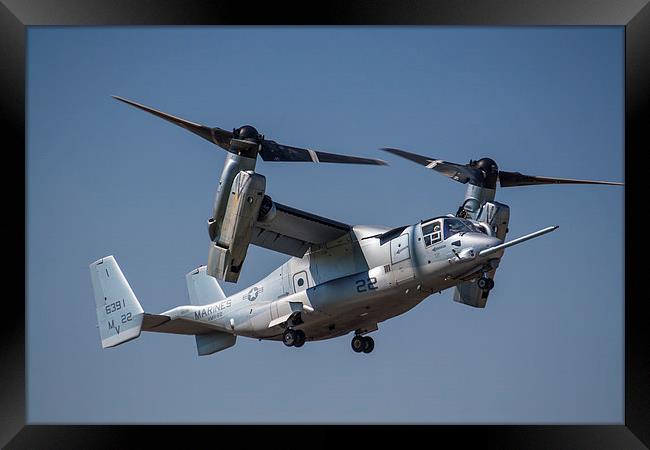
[119,314]
[202,288]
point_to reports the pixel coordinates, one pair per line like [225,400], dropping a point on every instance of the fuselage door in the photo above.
[400,259]
[399,249]
[300,281]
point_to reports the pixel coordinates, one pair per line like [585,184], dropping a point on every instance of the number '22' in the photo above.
[370,284]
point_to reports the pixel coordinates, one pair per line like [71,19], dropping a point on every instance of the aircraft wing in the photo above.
[292,231]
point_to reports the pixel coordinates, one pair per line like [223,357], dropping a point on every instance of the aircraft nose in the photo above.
[489,242]
[492,241]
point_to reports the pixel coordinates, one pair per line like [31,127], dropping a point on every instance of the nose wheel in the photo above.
[363,344]
[485,283]
[294,338]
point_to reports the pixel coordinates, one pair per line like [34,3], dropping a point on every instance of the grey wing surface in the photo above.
[292,231]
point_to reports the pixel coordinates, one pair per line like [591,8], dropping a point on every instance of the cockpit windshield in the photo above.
[432,232]
[455,226]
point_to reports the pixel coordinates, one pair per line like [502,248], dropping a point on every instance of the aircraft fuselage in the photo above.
[352,283]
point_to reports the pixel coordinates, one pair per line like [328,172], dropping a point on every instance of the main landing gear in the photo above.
[363,344]
[294,338]
[485,283]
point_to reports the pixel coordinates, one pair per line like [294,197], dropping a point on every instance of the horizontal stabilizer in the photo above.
[161,323]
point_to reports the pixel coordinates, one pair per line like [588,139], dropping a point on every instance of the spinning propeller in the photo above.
[485,172]
[246,141]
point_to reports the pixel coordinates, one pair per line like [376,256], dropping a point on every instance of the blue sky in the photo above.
[104,178]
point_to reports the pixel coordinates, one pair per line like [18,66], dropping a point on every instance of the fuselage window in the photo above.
[432,233]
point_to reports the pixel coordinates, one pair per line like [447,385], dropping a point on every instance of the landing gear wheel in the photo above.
[369,344]
[289,337]
[300,338]
[485,283]
[358,344]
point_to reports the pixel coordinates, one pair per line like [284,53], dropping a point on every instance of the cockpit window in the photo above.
[432,232]
[454,226]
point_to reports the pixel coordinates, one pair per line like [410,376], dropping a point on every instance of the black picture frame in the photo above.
[634,15]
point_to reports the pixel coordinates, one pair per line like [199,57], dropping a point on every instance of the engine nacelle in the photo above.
[231,237]
[497,216]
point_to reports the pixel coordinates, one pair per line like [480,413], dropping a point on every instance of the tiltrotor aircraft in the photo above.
[341,278]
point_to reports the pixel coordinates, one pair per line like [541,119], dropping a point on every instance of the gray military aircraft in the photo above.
[341,278]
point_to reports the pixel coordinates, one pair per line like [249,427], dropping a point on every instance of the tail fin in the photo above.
[119,315]
[203,288]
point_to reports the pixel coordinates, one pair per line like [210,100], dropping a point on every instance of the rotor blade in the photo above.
[512,179]
[272,151]
[215,135]
[454,171]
